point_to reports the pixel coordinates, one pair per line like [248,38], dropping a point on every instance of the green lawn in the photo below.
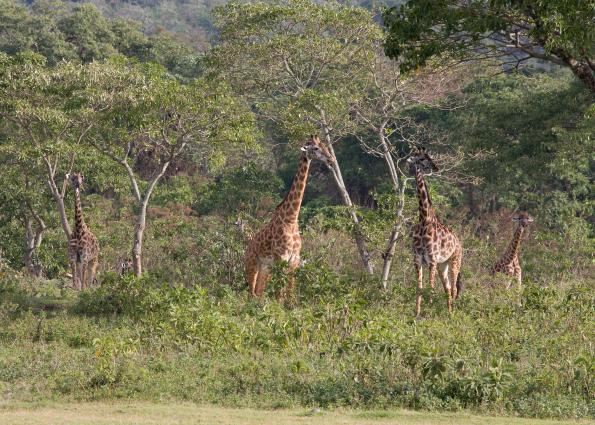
[170,414]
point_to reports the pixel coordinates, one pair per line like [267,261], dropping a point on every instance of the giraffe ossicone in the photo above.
[279,239]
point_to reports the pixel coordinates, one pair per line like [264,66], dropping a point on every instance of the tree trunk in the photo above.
[141,220]
[58,197]
[137,246]
[359,237]
[583,68]
[33,240]
[583,71]
[399,189]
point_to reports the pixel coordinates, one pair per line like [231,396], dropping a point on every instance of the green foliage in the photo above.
[336,347]
[176,190]
[294,59]
[238,189]
[536,160]
[186,329]
[83,33]
[558,31]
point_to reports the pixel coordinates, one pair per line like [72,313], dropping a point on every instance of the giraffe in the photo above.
[509,263]
[83,248]
[279,239]
[434,245]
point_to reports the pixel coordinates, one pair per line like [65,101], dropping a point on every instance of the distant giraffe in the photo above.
[509,263]
[83,248]
[280,238]
[434,244]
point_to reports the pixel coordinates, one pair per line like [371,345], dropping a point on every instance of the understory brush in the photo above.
[524,352]
[187,330]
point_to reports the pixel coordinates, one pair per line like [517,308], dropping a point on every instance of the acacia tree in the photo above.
[387,129]
[560,32]
[142,111]
[23,202]
[300,65]
[39,123]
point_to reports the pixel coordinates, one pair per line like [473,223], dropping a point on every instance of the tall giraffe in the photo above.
[434,244]
[509,262]
[83,248]
[280,238]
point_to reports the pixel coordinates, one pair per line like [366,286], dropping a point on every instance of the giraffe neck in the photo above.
[426,211]
[289,208]
[515,244]
[79,221]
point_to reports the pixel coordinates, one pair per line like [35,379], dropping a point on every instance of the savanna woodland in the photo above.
[245,203]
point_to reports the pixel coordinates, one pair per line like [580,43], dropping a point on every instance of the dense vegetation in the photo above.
[181,141]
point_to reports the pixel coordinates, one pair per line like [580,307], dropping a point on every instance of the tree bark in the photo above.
[141,219]
[582,70]
[58,196]
[358,234]
[399,189]
[33,239]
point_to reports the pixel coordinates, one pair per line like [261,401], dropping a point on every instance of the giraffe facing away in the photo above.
[434,245]
[83,248]
[279,239]
[509,263]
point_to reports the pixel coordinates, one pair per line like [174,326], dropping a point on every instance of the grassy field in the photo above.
[169,414]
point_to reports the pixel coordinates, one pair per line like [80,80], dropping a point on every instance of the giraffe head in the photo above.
[523,218]
[76,179]
[420,159]
[315,149]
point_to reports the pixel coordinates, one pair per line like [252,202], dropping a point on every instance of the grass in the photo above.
[169,414]
[498,354]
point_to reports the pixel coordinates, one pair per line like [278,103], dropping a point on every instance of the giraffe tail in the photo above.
[460,286]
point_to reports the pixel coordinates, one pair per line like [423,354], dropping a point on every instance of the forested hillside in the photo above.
[154,140]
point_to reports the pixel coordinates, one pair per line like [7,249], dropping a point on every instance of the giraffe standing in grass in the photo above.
[509,263]
[434,244]
[83,248]
[280,240]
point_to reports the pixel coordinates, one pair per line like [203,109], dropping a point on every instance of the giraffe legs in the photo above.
[420,285]
[85,275]
[93,271]
[79,273]
[251,275]
[288,290]
[432,276]
[261,280]
[455,269]
[444,276]
[73,271]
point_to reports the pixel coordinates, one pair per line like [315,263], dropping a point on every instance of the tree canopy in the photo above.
[82,33]
[560,32]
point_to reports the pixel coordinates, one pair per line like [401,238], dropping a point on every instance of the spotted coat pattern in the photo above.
[509,263]
[280,238]
[434,244]
[83,248]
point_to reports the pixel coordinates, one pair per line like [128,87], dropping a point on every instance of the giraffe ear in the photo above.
[303,149]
